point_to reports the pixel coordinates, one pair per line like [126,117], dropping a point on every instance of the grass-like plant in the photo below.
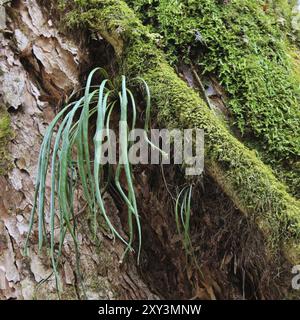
[183,216]
[72,164]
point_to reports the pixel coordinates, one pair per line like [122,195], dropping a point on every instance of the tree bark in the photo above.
[40,67]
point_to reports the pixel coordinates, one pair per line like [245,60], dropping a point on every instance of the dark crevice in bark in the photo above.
[229,250]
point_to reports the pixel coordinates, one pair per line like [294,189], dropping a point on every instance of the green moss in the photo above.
[242,176]
[246,45]
[119,20]
[5,134]
[251,184]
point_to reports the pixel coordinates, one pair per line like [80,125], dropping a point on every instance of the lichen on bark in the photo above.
[5,136]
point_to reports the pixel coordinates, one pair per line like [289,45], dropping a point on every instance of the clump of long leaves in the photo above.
[183,216]
[182,219]
[67,158]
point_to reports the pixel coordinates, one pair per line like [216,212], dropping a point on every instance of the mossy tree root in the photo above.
[243,177]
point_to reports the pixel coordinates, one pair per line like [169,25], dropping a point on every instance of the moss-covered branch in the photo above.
[247,45]
[249,183]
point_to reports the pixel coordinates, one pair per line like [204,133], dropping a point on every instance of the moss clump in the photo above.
[244,44]
[5,134]
[92,13]
[246,179]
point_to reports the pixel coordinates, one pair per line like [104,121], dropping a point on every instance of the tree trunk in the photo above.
[40,67]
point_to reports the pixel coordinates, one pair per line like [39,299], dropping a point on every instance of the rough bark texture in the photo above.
[39,67]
